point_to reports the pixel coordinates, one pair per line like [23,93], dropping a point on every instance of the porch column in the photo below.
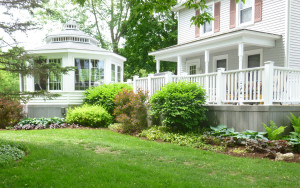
[206,59]
[241,74]
[157,66]
[179,65]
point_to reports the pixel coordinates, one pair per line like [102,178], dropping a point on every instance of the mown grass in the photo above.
[101,158]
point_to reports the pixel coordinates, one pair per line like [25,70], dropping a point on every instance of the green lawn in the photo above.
[101,158]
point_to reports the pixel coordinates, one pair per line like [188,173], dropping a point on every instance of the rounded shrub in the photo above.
[180,105]
[86,115]
[104,95]
[11,112]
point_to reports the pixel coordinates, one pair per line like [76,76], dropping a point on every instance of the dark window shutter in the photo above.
[217,17]
[232,14]
[197,29]
[258,11]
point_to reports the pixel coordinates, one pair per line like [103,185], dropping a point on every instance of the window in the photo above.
[97,72]
[119,74]
[55,80]
[246,11]
[82,74]
[222,63]
[113,72]
[193,69]
[207,27]
[254,61]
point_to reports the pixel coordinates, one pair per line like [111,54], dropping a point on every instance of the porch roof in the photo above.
[217,42]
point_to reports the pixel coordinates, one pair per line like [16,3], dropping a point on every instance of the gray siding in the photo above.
[294,35]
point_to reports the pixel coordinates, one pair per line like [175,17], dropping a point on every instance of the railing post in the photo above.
[134,83]
[168,77]
[150,83]
[267,83]
[220,86]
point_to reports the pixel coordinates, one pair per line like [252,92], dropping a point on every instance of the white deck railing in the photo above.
[263,85]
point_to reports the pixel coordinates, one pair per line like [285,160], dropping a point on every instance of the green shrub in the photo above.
[86,115]
[295,122]
[11,112]
[11,151]
[104,95]
[131,110]
[274,132]
[180,105]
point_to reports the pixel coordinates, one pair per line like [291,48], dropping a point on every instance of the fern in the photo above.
[274,132]
[295,122]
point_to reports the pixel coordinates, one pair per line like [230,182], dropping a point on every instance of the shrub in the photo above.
[104,95]
[11,112]
[86,115]
[181,105]
[274,132]
[295,122]
[131,110]
[11,151]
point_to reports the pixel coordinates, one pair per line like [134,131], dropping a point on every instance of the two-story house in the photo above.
[241,36]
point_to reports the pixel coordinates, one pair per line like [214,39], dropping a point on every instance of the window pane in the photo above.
[97,72]
[221,63]
[119,74]
[41,80]
[192,69]
[113,73]
[207,27]
[254,61]
[81,74]
[55,81]
[246,15]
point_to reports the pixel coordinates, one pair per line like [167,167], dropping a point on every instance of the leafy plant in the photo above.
[104,95]
[131,110]
[222,131]
[274,132]
[46,122]
[294,139]
[181,105]
[11,112]
[295,122]
[86,115]
[11,151]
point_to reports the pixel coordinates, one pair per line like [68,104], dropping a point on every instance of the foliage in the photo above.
[11,112]
[117,127]
[274,132]
[104,95]
[131,110]
[295,122]
[41,123]
[86,115]
[294,139]
[9,81]
[180,105]
[11,151]
[193,140]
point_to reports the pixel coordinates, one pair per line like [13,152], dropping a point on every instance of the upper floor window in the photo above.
[246,11]
[207,26]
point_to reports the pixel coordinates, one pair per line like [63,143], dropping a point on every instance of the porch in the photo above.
[266,85]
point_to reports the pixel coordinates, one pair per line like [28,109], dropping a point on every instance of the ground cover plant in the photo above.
[104,95]
[87,115]
[11,151]
[180,105]
[101,158]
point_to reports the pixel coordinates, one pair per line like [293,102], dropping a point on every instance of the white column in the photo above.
[220,86]
[168,77]
[267,83]
[241,74]
[206,59]
[157,66]
[134,83]
[179,65]
[150,86]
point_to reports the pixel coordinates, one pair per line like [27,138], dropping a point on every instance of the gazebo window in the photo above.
[113,72]
[88,73]
[119,74]
[55,80]
[40,80]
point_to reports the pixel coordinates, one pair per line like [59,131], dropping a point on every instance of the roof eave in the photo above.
[177,7]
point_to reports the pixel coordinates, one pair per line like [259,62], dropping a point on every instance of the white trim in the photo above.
[252,52]
[219,57]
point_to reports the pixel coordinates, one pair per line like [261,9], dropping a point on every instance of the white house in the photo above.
[249,55]
[72,47]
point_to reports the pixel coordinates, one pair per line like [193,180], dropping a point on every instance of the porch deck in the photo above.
[265,85]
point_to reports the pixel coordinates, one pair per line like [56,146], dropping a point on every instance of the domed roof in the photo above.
[71,38]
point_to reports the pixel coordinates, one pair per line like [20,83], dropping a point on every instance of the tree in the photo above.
[16,60]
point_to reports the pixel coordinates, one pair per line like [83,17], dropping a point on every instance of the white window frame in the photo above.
[238,14]
[220,57]
[212,21]
[62,81]
[191,63]
[253,52]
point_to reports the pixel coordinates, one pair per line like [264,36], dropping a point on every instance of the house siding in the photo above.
[294,35]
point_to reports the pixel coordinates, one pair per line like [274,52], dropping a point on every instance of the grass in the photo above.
[101,158]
